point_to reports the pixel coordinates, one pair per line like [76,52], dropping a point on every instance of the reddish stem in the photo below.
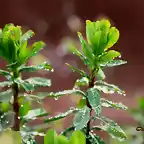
[91,84]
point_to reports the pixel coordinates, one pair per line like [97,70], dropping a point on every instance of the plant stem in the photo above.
[16,107]
[91,84]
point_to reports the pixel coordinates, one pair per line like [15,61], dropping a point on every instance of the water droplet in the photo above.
[72,108]
[120,56]
[56,98]
[41,134]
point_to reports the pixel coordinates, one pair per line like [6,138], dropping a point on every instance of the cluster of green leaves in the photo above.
[76,137]
[15,50]
[96,56]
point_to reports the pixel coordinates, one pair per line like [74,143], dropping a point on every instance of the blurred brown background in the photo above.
[57,21]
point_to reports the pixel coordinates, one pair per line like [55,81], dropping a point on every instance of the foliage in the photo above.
[16,107]
[96,55]
[76,137]
[134,134]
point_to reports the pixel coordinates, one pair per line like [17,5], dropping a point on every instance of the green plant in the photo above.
[52,138]
[134,135]
[15,105]
[95,55]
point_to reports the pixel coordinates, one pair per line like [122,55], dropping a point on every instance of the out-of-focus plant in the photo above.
[135,133]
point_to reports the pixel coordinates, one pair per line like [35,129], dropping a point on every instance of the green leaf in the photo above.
[60,116]
[66,92]
[81,118]
[50,137]
[77,137]
[90,30]
[38,81]
[113,63]
[5,106]
[97,35]
[141,102]
[43,66]
[100,74]
[109,56]
[26,36]
[62,140]
[110,104]
[35,48]
[32,114]
[6,96]
[6,120]
[67,130]
[81,72]
[94,100]
[86,50]
[5,73]
[84,81]
[5,83]
[112,128]
[32,83]
[24,84]
[81,103]
[56,95]
[113,37]
[24,108]
[9,44]
[94,139]
[79,54]
[108,88]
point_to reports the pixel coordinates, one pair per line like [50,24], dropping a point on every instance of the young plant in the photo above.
[95,54]
[16,107]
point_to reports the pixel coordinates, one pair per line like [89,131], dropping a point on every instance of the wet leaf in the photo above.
[81,72]
[108,88]
[113,37]
[81,118]
[94,100]
[113,63]
[112,128]
[43,66]
[77,137]
[110,104]
[60,116]
[32,114]
[108,56]
[51,137]
[6,96]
